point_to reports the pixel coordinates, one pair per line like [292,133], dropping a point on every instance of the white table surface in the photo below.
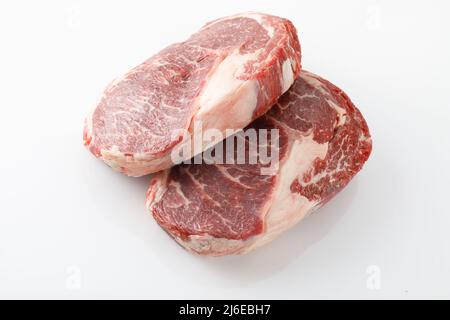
[72,228]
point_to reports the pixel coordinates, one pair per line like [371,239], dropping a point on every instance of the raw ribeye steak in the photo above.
[221,209]
[223,77]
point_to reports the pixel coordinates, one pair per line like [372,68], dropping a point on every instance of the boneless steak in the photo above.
[224,76]
[232,209]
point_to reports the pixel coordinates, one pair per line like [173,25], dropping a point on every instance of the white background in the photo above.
[72,228]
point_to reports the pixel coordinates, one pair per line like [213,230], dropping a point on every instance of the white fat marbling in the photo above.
[224,83]
[289,208]
[288,75]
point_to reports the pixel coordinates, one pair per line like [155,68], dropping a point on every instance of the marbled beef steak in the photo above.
[232,209]
[224,76]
